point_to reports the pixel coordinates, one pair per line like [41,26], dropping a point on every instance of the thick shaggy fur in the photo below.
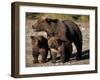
[39,47]
[66,31]
[64,49]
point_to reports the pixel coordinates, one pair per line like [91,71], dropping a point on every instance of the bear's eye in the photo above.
[32,37]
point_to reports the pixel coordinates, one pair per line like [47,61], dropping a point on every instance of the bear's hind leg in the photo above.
[43,54]
[35,57]
[79,50]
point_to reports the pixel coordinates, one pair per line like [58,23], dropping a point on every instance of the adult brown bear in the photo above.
[65,31]
[74,34]
[39,47]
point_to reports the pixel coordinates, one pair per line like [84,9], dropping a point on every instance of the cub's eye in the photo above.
[33,26]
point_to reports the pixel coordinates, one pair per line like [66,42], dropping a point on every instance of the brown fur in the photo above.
[39,47]
[64,49]
[66,31]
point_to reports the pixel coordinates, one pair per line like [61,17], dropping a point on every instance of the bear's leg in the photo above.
[54,57]
[46,49]
[63,53]
[62,59]
[54,54]
[43,54]
[50,58]
[35,57]
[68,52]
[79,50]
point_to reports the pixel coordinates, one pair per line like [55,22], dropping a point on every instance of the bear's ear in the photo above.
[55,20]
[47,20]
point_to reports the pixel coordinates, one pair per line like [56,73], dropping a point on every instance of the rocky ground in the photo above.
[85,60]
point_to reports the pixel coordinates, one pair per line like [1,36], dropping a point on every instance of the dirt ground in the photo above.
[85,57]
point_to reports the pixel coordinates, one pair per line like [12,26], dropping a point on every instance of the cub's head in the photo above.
[54,42]
[39,41]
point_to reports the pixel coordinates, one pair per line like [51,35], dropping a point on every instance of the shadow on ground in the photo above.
[85,55]
[73,61]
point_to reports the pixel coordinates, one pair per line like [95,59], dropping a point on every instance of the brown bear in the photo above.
[64,49]
[65,30]
[39,47]
[53,46]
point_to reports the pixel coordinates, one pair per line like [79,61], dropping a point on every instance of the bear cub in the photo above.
[39,47]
